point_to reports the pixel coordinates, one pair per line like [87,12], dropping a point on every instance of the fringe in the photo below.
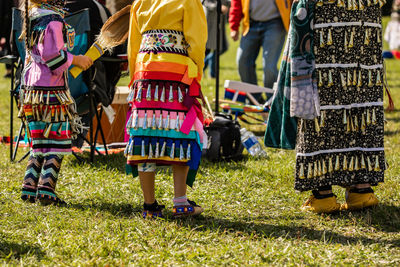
[320,166]
[156,148]
[158,91]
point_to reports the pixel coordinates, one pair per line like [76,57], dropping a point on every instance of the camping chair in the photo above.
[79,89]
[236,96]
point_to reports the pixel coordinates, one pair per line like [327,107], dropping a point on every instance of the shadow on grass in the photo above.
[265,230]
[385,218]
[12,250]
[111,161]
[391,133]
[120,209]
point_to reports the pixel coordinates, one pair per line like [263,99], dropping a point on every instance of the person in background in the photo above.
[47,108]
[166,48]
[210,8]
[5,30]
[265,23]
[392,32]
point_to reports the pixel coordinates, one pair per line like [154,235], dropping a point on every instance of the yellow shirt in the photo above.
[186,16]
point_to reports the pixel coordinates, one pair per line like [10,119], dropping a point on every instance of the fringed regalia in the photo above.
[340,142]
[46,104]
[165,125]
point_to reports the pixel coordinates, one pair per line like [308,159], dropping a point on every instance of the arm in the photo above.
[195,31]
[235,15]
[52,49]
[134,40]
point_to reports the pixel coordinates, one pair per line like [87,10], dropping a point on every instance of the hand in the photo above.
[235,35]
[224,9]
[83,62]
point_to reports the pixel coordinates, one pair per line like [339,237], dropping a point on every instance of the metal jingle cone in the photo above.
[41,97]
[59,129]
[315,174]
[145,121]
[156,93]
[150,151]
[172,152]
[180,95]
[47,130]
[181,153]
[148,93]
[162,98]
[309,171]
[301,171]
[143,150]
[329,40]
[171,94]
[157,152]
[153,122]
[177,125]
[377,168]
[160,122]
[166,125]
[130,151]
[343,80]
[163,149]
[337,163]
[330,165]
[139,94]
[127,147]
[363,166]
[370,168]
[188,152]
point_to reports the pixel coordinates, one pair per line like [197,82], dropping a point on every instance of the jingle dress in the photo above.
[47,106]
[340,123]
[166,56]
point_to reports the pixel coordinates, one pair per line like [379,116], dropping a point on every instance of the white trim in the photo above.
[337,24]
[344,24]
[348,65]
[355,105]
[377,66]
[371,24]
[336,65]
[340,150]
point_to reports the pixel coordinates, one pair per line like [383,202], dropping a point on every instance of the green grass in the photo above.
[252,214]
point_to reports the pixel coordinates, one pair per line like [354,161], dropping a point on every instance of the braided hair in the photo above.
[25,28]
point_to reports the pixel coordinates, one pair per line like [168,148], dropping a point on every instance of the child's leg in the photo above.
[147,184]
[183,206]
[31,179]
[48,179]
[180,175]
[151,209]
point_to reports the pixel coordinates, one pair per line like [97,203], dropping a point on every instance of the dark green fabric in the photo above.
[281,129]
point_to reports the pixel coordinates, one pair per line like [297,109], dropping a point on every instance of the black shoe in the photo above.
[151,211]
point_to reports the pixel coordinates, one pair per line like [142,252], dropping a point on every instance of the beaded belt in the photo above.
[164,41]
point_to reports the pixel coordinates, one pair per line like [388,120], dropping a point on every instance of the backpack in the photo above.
[223,139]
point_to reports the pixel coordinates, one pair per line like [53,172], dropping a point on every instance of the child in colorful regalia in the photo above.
[166,49]
[47,107]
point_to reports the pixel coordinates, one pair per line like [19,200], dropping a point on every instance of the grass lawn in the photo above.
[252,214]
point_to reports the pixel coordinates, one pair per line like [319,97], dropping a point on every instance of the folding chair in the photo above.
[78,87]
[236,95]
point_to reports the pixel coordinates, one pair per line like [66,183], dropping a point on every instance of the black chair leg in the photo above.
[100,128]
[14,154]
